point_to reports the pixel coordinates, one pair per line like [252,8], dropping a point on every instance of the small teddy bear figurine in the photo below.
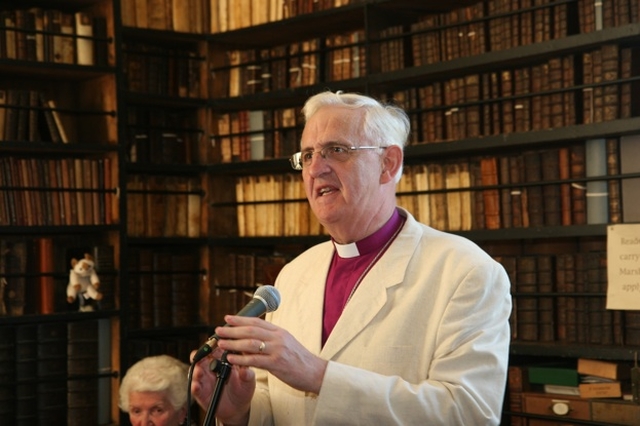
[83,283]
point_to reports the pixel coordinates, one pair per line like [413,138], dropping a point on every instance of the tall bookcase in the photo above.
[165,135]
[164,155]
[58,202]
[522,114]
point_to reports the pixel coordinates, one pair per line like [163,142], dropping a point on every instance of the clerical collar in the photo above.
[371,243]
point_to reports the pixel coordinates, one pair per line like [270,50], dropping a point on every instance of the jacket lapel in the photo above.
[372,294]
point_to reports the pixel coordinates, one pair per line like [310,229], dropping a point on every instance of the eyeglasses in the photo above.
[338,153]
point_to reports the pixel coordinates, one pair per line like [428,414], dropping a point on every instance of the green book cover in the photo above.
[554,375]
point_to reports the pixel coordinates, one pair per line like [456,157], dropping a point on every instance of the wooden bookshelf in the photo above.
[179,121]
[58,200]
[528,90]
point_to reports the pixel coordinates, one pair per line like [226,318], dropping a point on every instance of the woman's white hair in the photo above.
[161,373]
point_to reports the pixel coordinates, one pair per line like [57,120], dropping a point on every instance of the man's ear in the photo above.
[391,163]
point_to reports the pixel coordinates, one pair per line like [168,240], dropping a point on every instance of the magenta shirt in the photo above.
[349,265]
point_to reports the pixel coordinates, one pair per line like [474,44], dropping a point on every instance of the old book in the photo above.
[184,289]
[522,105]
[104,259]
[578,185]
[553,374]
[82,360]
[438,200]
[564,174]
[145,289]
[613,185]
[60,127]
[491,196]
[562,390]
[610,92]
[545,273]
[241,207]
[550,162]
[14,259]
[518,379]
[163,196]
[404,188]
[51,393]
[453,196]
[249,196]
[84,41]
[526,305]
[475,174]
[596,165]
[535,201]
[582,318]
[46,303]
[564,282]
[181,207]
[161,281]
[630,187]
[466,197]
[506,203]
[601,390]
[26,344]
[604,369]
[194,209]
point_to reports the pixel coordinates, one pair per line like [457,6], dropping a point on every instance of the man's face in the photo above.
[342,195]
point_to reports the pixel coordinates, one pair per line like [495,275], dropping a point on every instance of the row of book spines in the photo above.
[540,275]
[47,353]
[163,288]
[161,206]
[253,72]
[257,135]
[459,33]
[68,342]
[487,104]
[179,347]
[201,16]
[165,137]
[68,191]
[162,70]
[561,297]
[247,270]
[464,195]
[31,116]
[49,35]
[295,65]
[274,205]
[574,319]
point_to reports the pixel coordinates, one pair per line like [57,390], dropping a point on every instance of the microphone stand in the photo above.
[222,369]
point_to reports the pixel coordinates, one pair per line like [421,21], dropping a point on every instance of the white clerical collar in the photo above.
[347,251]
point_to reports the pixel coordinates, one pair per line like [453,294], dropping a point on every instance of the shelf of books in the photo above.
[166,140]
[525,128]
[59,213]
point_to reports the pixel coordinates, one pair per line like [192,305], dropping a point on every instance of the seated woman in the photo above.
[154,391]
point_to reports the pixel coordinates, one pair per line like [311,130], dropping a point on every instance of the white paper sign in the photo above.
[623,267]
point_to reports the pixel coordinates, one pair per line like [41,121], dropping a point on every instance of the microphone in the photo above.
[265,299]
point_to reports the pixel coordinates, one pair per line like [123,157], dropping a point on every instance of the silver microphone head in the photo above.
[269,295]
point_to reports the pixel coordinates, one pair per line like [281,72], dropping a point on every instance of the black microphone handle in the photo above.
[255,308]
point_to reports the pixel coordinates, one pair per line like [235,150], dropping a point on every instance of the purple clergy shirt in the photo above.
[349,265]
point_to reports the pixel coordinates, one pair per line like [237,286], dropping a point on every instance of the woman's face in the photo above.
[153,408]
